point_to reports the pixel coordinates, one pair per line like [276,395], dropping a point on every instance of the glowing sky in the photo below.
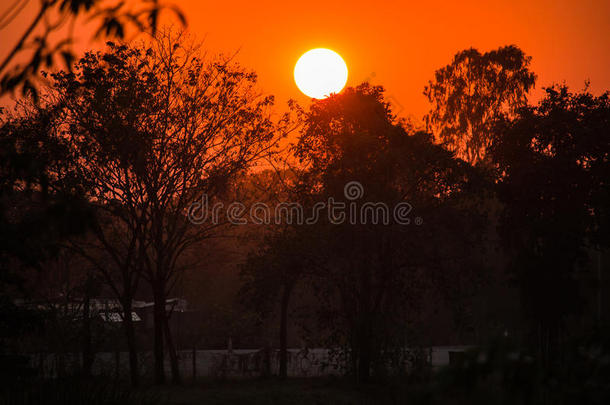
[399,43]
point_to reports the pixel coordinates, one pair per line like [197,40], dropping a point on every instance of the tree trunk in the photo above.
[173,356]
[159,315]
[194,364]
[87,346]
[364,360]
[284,332]
[117,363]
[266,367]
[364,328]
[131,343]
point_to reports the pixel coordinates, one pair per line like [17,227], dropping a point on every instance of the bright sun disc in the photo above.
[320,72]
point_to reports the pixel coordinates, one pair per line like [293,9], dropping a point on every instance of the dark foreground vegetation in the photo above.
[139,195]
[499,374]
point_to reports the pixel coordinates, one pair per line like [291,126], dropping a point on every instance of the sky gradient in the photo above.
[400,44]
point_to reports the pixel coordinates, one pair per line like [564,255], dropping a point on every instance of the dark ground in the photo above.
[292,391]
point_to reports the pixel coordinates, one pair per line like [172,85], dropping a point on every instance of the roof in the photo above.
[118,317]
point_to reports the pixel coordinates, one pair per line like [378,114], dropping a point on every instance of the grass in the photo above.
[272,391]
[99,391]
[74,391]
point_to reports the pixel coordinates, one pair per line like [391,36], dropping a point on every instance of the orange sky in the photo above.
[400,44]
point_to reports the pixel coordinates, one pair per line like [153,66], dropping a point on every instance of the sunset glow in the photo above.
[320,72]
[304,199]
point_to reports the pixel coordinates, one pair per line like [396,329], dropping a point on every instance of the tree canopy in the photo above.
[471,92]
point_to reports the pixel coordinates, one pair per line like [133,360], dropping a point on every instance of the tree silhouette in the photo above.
[553,168]
[114,20]
[271,275]
[373,271]
[160,127]
[471,92]
[41,200]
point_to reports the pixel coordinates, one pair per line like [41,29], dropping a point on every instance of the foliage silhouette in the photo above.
[552,162]
[51,17]
[471,92]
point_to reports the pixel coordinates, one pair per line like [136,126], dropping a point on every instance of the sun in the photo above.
[320,72]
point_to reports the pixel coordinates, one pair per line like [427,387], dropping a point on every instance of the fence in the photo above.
[216,363]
